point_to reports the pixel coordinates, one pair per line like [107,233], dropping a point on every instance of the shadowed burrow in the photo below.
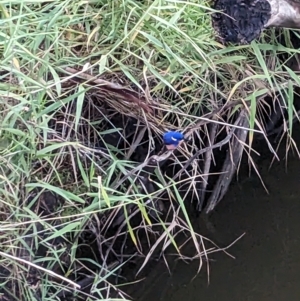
[241,21]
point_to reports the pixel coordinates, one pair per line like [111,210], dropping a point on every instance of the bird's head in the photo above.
[172,139]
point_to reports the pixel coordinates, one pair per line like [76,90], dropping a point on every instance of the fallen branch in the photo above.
[207,164]
[230,164]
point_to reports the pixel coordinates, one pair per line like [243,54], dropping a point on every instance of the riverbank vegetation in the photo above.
[87,90]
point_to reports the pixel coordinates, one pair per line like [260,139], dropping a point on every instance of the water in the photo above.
[267,264]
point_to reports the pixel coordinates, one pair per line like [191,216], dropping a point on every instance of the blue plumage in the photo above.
[172,139]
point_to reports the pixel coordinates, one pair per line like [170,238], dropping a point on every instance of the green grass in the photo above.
[51,124]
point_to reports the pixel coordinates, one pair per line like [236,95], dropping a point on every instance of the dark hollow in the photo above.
[245,20]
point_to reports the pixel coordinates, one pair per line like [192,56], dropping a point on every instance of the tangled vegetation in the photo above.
[87,90]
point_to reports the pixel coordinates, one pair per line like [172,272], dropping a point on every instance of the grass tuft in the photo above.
[87,89]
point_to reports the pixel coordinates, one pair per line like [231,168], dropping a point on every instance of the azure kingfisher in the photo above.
[172,139]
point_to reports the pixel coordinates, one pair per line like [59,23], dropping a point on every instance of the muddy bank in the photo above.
[267,264]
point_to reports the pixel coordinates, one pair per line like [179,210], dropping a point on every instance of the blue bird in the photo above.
[172,139]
